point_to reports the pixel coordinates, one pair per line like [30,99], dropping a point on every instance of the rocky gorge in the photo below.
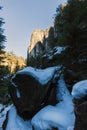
[46,95]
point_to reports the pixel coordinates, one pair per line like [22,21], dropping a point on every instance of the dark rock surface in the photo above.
[81,116]
[50,58]
[29,95]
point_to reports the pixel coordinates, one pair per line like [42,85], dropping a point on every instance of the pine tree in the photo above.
[2,37]
[71,24]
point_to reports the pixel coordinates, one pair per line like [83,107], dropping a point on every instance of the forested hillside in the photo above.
[71,25]
[70,32]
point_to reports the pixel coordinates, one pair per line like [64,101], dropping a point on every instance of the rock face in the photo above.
[79,96]
[29,95]
[37,37]
[51,58]
[40,42]
[81,116]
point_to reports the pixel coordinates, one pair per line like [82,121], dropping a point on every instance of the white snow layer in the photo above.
[3,110]
[42,75]
[17,123]
[79,90]
[60,116]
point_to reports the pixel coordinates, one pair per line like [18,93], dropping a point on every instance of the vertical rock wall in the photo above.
[40,42]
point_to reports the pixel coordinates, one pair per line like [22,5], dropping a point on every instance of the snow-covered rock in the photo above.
[32,89]
[79,90]
[60,116]
[79,95]
[51,58]
[55,51]
[42,75]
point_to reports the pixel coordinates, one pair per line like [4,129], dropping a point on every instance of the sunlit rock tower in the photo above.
[40,43]
[36,41]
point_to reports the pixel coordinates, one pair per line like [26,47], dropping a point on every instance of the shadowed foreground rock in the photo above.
[29,95]
[81,117]
[60,116]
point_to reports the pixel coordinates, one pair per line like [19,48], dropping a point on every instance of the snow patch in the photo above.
[13,82]
[18,93]
[56,50]
[59,50]
[17,123]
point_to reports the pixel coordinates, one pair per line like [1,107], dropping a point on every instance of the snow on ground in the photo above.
[60,116]
[17,123]
[79,90]
[3,110]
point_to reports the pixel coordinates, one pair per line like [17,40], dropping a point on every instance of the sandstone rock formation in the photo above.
[37,37]
[40,42]
[81,116]
[30,92]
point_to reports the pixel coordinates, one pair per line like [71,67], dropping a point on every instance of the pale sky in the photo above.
[22,17]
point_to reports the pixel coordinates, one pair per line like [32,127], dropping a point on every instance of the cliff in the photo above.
[40,42]
[36,37]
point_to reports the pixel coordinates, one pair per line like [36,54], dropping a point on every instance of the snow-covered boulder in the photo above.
[79,95]
[79,90]
[61,116]
[32,89]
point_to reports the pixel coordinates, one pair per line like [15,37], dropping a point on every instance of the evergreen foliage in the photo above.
[9,64]
[51,38]
[4,72]
[2,37]
[35,61]
[71,25]
[4,82]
